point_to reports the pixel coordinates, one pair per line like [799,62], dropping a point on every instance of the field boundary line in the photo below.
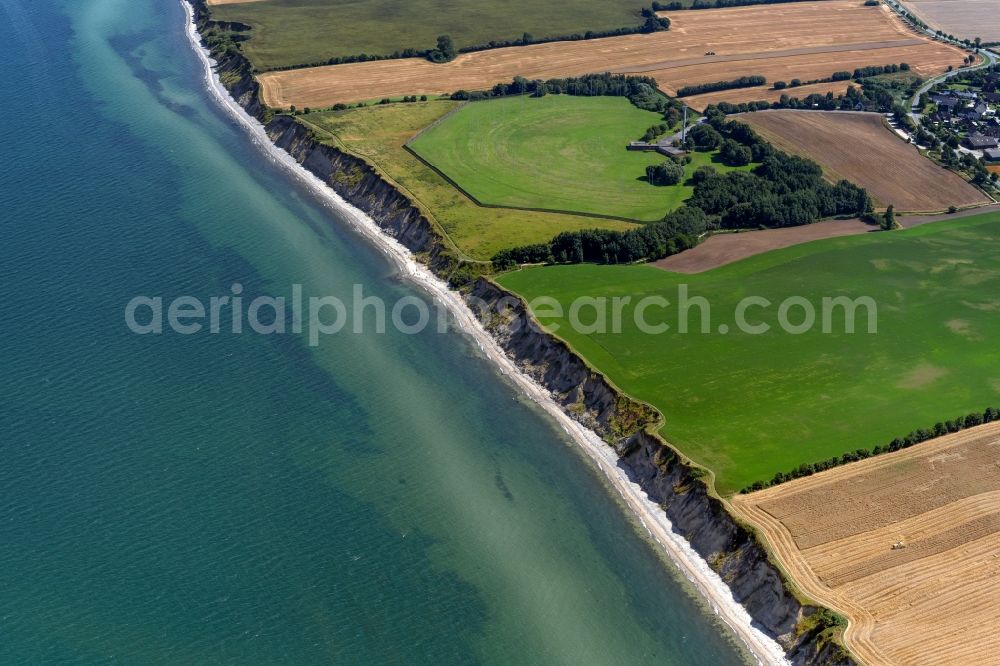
[473,199]
[421,206]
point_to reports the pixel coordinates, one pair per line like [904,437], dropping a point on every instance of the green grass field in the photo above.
[378,134]
[292,32]
[748,406]
[556,153]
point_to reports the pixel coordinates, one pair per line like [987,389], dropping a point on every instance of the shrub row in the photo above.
[940,429]
[640,90]
[678,231]
[715,4]
[857,74]
[742,82]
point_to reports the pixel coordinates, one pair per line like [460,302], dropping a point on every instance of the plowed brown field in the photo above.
[858,147]
[906,545]
[805,40]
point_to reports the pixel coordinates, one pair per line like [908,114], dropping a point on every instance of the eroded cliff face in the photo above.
[731,549]
[627,425]
[360,185]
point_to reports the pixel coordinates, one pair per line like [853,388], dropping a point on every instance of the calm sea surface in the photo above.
[247,499]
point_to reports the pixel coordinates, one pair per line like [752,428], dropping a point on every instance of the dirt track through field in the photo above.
[723,249]
[911,555]
[860,148]
[805,40]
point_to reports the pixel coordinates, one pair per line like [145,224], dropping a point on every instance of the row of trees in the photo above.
[940,429]
[782,191]
[640,90]
[650,23]
[678,231]
[445,50]
[742,82]
[675,5]
[843,75]
[875,95]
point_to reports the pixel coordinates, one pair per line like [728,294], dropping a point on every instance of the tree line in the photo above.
[742,82]
[940,429]
[678,231]
[445,50]
[874,95]
[843,75]
[782,191]
[715,4]
[640,90]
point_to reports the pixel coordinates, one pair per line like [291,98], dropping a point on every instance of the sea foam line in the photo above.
[711,586]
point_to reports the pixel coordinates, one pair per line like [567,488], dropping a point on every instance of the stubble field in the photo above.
[858,147]
[805,40]
[911,555]
[966,19]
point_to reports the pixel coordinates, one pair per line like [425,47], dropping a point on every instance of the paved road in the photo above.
[989,58]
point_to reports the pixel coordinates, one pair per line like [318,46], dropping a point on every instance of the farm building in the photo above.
[992,154]
[661,147]
[979,141]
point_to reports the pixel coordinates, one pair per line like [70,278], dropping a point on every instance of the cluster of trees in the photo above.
[782,191]
[742,82]
[916,437]
[668,173]
[656,130]
[735,154]
[640,90]
[679,231]
[445,50]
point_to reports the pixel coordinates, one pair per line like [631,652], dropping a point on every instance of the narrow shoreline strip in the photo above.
[763,648]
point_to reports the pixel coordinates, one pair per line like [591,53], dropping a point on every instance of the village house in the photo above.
[978,141]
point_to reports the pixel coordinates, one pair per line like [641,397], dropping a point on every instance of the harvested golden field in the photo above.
[858,147]
[805,40]
[906,545]
[966,19]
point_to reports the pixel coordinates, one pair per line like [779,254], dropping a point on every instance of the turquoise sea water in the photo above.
[247,499]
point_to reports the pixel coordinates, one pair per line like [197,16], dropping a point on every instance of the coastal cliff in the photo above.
[625,424]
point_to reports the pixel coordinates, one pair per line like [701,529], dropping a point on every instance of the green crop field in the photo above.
[378,134]
[292,32]
[557,153]
[748,406]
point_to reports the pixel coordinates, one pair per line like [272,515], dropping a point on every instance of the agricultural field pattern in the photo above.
[808,40]
[912,553]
